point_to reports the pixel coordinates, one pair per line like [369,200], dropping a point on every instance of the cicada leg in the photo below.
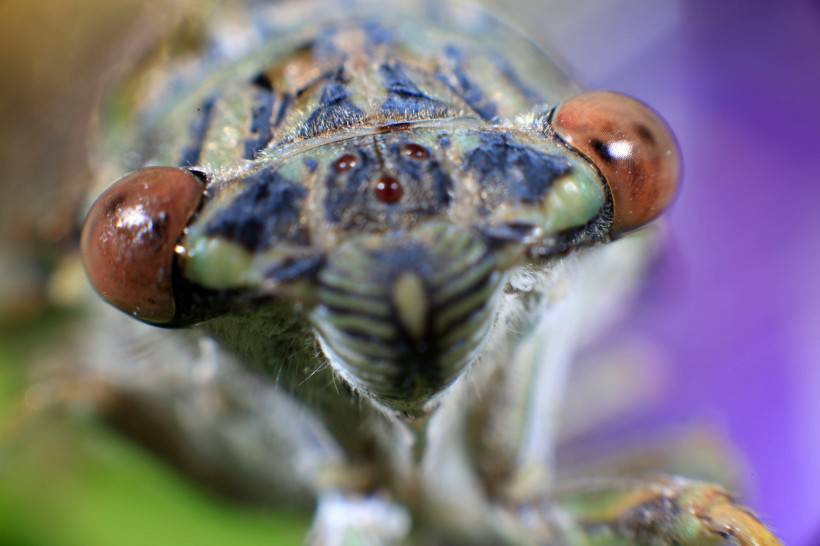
[519,417]
[670,511]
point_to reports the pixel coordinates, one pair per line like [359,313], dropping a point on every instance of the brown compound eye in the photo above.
[129,238]
[633,148]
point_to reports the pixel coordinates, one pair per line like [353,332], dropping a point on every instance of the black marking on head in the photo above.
[395,126]
[198,131]
[335,109]
[284,104]
[265,212]
[525,173]
[261,117]
[262,81]
[514,79]
[466,88]
[404,99]
[508,232]
[294,269]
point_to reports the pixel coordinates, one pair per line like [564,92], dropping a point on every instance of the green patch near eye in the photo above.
[217,264]
[573,200]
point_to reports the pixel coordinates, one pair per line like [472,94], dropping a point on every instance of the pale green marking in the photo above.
[353,302]
[227,131]
[218,264]
[452,360]
[467,140]
[469,256]
[467,330]
[574,200]
[362,325]
[353,285]
[294,169]
[462,306]
[411,302]
[359,351]
[469,274]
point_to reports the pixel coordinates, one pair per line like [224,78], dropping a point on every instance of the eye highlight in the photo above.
[633,148]
[130,235]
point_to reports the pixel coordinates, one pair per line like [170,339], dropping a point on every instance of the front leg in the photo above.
[547,315]
[660,512]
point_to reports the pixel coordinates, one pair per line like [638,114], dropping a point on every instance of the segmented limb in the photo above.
[664,511]
[520,412]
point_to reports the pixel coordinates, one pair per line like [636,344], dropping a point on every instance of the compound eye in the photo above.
[129,238]
[633,148]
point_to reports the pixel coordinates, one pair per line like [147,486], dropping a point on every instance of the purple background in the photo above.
[736,305]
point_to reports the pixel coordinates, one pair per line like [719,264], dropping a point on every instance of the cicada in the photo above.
[350,254]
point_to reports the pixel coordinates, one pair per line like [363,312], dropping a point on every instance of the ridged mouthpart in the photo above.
[402,314]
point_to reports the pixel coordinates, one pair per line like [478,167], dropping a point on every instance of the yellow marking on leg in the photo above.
[674,510]
[719,515]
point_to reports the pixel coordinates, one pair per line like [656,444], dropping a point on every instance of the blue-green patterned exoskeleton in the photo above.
[370,233]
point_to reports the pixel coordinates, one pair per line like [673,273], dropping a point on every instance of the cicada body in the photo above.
[374,236]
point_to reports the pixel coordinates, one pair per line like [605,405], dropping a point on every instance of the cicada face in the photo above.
[394,243]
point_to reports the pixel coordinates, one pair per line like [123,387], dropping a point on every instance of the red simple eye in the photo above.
[633,148]
[388,190]
[129,236]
